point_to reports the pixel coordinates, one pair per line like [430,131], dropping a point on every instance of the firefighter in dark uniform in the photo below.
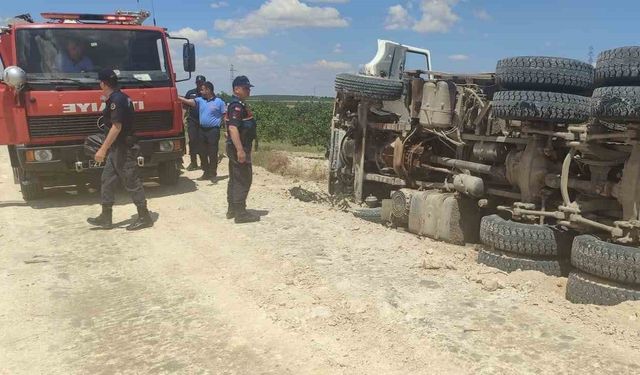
[193,123]
[119,152]
[241,127]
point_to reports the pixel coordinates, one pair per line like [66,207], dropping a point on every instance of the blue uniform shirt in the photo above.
[66,65]
[210,111]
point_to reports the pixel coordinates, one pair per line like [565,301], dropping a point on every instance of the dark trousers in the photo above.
[240,178]
[209,139]
[192,130]
[122,165]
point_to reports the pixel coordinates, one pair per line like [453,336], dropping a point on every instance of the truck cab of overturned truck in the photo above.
[50,97]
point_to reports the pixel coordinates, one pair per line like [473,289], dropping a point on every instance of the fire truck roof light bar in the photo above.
[118,17]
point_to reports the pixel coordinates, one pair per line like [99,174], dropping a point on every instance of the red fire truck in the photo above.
[50,99]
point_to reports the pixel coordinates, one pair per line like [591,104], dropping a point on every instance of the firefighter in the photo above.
[193,123]
[120,153]
[241,128]
[211,110]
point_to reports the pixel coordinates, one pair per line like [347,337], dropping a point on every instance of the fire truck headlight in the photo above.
[166,146]
[43,155]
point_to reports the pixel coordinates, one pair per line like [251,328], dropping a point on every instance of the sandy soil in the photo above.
[308,290]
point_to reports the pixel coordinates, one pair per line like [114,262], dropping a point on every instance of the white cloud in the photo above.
[482,14]
[281,14]
[245,54]
[337,48]
[198,37]
[328,1]
[458,57]
[219,4]
[437,16]
[331,65]
[397,18]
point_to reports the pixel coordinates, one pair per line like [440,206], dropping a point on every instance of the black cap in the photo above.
[201,79]
[241,81]
[107,75]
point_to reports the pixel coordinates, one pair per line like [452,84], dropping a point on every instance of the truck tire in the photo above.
[524,239]
[168,172]
[540,106]
[587,289]
[509,263]
[545,73]
[31,190]
[603,259]
[616,103]
[367,87]
[618,66]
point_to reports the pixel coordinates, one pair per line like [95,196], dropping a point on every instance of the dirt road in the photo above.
[308,290]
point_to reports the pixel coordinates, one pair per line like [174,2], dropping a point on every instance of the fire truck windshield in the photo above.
[72,57]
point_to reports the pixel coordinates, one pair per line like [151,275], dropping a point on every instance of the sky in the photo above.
[298,46]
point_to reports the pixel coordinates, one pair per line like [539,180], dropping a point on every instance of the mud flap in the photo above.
[444,216]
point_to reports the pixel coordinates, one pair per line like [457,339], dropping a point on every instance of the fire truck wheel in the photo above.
[510,263]
[587,289]
[31,190]
[168,172]
[525,239]
[616,103]
[618,66]
[545,73]
[361,86]
[541,106]
[603,259]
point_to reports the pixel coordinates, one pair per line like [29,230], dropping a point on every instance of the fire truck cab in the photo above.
[50,98]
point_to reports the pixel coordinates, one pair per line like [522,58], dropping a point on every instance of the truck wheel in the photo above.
[367,87]
[525,239]
[509,263]
[545,73]
[587,289]
[168,172]
[618,66]
[616,103]
[31,190]
[540,106]
[610,261]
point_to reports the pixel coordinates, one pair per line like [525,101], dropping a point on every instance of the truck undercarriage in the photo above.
[544,142]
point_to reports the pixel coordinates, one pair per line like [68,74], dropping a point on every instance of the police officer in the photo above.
[241,128]
[119,152]
[193,123]
[211,110]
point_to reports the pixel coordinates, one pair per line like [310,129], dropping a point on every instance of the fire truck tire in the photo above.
[168,173]
[524,239]
[587,289]
[31,190]
[618,66]
[367,87]
[541,106]
[510,263]
[607,260]
[616,103]
[545,73]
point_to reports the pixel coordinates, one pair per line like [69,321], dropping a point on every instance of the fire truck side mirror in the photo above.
[14,77]
[189,57]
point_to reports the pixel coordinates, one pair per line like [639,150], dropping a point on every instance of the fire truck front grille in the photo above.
[83,125]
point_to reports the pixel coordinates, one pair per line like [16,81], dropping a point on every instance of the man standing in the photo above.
[211,110]
[242,132]
[193,123]
[120,150]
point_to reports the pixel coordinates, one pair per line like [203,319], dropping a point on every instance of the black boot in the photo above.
[231,212]
[192,167]
[243,216]
[104,220]
[144,220]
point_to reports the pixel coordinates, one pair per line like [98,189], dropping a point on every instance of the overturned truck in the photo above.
[540,160]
